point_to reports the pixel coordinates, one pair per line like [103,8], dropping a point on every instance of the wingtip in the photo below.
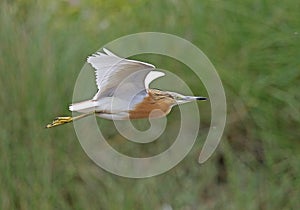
[161,73]
[99,54]
[152,75]
[93,56]
[108,52]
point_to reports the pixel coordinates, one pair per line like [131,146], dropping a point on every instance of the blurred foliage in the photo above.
[255,46]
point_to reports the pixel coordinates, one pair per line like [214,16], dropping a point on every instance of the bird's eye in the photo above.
[171,96]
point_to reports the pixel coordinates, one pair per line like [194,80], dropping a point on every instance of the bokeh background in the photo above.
[254,45]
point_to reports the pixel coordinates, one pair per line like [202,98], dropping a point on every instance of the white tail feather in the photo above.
[84,106]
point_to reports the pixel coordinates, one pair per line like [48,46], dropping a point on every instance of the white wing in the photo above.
[113,72]
[152,76]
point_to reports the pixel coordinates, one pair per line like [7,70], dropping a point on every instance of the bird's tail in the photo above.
[84,106]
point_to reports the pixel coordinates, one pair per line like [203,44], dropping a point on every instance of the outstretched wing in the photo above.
[113,72]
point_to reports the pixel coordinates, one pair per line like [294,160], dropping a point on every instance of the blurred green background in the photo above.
[254,45]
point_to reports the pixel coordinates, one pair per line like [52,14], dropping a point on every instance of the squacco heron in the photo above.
[134,100]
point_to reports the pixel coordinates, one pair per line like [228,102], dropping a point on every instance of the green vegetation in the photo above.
[254,45]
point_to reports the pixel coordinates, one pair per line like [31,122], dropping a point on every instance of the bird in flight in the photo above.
[123,91]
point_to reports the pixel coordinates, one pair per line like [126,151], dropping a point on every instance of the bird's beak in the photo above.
[187,99]
[200,98]
[194,98]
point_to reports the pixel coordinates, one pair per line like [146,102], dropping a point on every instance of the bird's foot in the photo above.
[59,121]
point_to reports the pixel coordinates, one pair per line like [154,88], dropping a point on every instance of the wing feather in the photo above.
[112,71]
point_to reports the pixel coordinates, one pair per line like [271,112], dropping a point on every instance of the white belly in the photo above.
[115,116]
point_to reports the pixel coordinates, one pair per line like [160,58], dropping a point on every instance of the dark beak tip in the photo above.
[202,98]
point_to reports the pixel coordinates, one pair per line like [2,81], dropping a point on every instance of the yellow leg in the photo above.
[63,120]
